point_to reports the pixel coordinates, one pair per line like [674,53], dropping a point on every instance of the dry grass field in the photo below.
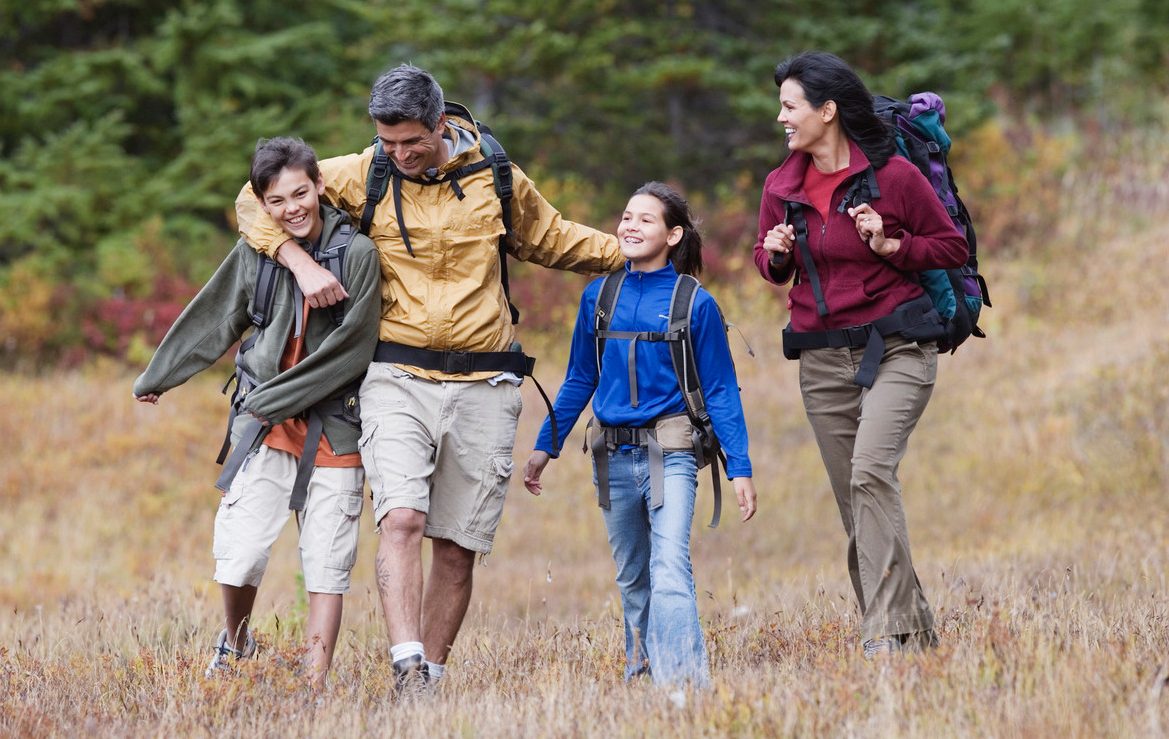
[1035,489]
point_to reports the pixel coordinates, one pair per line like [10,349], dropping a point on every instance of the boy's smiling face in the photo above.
[293,201]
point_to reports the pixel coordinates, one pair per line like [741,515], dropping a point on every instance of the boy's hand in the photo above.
[745,492]
[320,287]
[533,469]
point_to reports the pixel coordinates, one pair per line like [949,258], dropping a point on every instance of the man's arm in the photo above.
[547,238]
[344,178]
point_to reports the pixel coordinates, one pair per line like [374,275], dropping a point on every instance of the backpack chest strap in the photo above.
[633,337]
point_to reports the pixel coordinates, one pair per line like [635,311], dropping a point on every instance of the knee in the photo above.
[402,527]
[456,561]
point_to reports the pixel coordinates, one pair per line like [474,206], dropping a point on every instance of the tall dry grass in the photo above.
[1035,490]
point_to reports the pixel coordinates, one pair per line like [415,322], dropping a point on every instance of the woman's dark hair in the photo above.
[273,155]
[827,77]
[686,255]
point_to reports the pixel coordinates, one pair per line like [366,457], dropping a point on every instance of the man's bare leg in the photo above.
[399,573]
[448,593]
[322,627]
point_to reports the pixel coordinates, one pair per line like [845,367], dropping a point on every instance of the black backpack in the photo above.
[383,170]
[707,450]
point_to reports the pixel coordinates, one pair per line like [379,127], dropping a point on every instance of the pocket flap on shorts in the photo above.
[503,466]
[351,504]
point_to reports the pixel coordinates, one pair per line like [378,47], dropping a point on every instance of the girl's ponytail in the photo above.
[686,255]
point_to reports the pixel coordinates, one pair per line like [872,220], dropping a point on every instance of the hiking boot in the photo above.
[225,655]
[411,678]
[882,646]
[919,641]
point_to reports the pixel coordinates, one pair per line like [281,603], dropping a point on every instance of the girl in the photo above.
[862,328]
[650,538]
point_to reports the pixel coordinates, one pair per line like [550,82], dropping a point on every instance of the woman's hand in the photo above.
[780,241]
[533,469]
[745,492]
[871,228]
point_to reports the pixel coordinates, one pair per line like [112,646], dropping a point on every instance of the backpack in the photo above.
[921,138]
[707,449]
[332,257]
[383,170]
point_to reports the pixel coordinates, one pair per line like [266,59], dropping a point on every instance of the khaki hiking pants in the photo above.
[863,435]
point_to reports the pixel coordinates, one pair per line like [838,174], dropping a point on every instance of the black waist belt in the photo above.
[455,363]
[917,320]
[461,363]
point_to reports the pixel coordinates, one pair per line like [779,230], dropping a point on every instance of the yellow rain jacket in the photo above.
[448,296]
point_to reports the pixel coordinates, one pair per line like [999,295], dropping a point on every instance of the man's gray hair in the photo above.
[406,93]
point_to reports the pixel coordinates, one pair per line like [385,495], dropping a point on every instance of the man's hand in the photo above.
[533,469]
[320,287]
[745,492]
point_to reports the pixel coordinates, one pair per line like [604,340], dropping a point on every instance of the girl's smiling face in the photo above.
[643,235]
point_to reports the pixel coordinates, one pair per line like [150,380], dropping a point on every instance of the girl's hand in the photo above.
[871,228]
[151,398]
[745,492]
[533,469]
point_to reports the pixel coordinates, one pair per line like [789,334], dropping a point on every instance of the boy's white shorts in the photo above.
[253,512]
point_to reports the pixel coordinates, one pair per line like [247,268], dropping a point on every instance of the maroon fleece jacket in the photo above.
[859,286]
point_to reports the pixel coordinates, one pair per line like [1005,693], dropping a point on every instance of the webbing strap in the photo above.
[610,438]
[633,337]
[795,216]
[253,433]
[308,454]
[398,215]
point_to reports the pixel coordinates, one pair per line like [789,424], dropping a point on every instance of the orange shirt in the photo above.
[289,436]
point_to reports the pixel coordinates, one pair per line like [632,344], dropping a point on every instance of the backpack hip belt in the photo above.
[671,433]
[460,363]
[916,320]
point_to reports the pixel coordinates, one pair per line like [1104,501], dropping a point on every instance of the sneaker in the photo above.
[882,646]
[411,678]
[224,654]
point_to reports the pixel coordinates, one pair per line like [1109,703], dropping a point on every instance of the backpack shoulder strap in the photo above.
[603,314]
[682,350]
[494,153]
[332,257]
[375,184]
[265,294]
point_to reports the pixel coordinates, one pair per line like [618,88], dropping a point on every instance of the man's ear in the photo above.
[441,125]
[320,186]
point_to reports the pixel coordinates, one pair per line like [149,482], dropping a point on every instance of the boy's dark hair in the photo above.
[687,253]
[273,155]
[827,77]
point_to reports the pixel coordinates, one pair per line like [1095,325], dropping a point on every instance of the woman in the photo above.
[649,531]
[854,223]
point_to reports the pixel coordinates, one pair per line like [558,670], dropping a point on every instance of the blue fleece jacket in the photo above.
[644,305]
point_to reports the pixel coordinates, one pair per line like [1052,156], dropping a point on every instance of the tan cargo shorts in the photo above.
[442,448]
[255,509]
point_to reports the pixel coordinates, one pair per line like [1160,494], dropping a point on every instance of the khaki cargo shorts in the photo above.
[442,448]
[255,509]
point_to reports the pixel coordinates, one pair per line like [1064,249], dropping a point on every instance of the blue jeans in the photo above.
[651,549]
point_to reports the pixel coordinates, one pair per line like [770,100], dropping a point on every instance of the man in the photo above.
[441,400]
[295,371]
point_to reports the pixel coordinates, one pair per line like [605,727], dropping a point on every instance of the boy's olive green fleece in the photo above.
[336,355]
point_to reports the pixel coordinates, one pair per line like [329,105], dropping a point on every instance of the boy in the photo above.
[299,372]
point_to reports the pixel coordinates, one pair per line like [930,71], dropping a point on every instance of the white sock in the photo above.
[399,652]
[435,671]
